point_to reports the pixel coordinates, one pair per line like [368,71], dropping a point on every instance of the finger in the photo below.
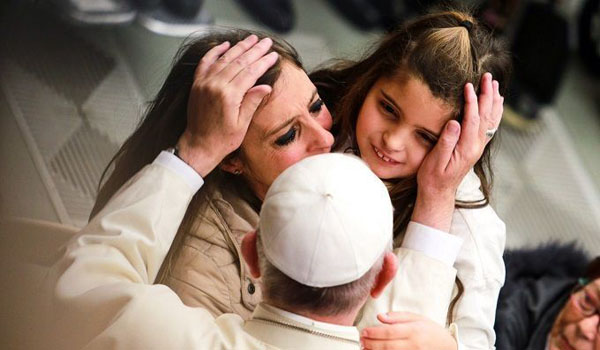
[210,58]
[470,135]
[251,102]
[246,60]
[395,331]
[497,107]
[248,77]
[236,51]
[486,99]
[443,150]
[396,344]
[398,317]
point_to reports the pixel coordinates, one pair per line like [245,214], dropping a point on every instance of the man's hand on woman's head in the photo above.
[577,327]
[223,100]
[455,153]
[406,331]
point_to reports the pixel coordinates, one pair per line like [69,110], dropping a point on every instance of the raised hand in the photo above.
[223,100]
[455,153]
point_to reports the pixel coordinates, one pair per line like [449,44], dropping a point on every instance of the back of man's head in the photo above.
[325,226]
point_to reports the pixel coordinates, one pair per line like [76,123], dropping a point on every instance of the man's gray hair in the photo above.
[282,291]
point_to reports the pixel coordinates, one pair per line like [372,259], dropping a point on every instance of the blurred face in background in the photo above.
[577,325]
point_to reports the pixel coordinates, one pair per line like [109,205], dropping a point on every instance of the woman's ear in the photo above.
[232,165]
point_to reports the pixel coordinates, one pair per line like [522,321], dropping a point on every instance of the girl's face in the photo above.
[398,124]
[292,125]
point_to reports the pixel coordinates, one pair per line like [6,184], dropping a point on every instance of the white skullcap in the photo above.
[326,220]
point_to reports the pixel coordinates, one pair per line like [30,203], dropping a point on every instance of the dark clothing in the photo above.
[538,285]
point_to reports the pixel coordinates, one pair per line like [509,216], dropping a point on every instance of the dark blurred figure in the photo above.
[550,300]
[278,15]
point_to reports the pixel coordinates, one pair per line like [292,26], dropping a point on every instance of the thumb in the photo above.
[393,317]
[444,148]
[252,101]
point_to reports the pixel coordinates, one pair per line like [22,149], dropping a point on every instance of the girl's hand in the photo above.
[223,100]
[405,330]
[455,154]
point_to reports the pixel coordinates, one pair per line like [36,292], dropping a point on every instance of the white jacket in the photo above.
[479,266]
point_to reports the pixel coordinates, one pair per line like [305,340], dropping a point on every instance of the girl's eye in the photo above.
[387,108]
[428,139]
[286,138]
[316,106]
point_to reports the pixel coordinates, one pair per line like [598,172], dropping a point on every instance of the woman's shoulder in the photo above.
[223,214]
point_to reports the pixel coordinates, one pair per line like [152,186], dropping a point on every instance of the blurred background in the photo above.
[77,74]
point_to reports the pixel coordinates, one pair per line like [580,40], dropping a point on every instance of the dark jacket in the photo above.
[538,284]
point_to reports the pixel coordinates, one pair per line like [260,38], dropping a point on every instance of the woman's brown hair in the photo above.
[166,119]
[445,50]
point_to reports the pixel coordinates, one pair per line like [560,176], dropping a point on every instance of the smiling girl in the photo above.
[390,109]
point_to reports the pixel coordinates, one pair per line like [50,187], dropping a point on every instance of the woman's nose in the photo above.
[588,327]
[322,139]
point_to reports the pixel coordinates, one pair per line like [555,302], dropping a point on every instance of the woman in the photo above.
[203,265]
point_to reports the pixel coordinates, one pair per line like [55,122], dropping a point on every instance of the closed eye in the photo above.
[316,106]
[287,138]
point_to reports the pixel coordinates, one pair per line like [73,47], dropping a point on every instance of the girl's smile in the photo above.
[398,123]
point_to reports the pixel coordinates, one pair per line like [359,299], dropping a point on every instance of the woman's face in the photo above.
[292,125]
[398,124]
[577,327]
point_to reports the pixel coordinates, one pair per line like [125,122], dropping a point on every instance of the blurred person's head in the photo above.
[577,326]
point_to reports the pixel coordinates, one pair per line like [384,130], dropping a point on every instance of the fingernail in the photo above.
[452,128]
[225,43]
[266,40]
[252,37]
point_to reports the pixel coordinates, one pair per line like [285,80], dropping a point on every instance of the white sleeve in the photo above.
[480,268]
[425,277]
[103,296]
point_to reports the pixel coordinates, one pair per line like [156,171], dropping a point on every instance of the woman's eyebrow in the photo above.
[280,127]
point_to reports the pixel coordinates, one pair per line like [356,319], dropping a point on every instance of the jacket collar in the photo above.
[277,328]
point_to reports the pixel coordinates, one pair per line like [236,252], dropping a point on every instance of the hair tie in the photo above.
[467,24]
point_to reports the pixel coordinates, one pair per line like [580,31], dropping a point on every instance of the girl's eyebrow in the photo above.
[397,106]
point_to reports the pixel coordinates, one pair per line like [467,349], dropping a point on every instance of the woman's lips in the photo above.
[384,157]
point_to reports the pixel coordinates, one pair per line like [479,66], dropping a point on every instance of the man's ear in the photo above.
[386,275]
[250,253]
[232,164]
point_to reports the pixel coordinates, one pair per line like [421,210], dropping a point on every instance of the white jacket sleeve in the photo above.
[425,277]
[103,296]
[480,268]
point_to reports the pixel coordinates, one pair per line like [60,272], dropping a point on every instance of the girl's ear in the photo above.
[233,165]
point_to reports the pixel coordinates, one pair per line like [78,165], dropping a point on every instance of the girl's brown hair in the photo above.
[445,50]
[166,119]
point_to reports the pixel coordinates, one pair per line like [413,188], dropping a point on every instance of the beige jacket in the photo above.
[103,294]
[208,271]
